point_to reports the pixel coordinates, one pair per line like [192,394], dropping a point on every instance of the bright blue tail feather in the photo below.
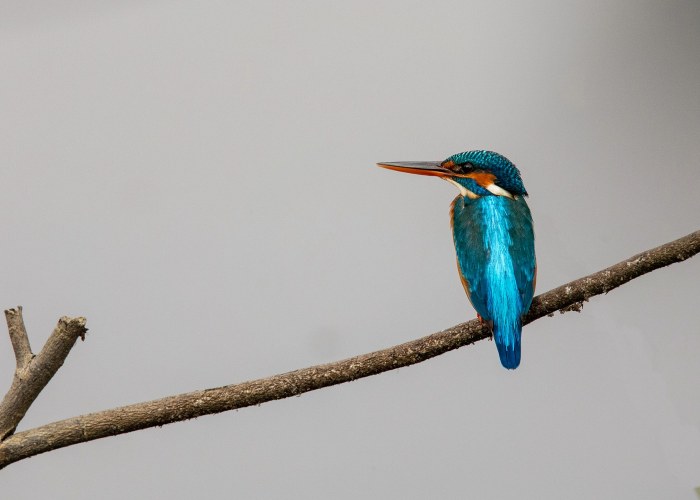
[508,344]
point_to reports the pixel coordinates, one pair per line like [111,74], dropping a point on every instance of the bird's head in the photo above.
[475,173]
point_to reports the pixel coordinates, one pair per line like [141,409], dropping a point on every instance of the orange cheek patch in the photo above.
[483,179]
[447,164]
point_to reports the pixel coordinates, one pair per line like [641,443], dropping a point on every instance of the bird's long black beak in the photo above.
[418,167]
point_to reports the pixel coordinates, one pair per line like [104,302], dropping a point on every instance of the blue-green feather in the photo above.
[494,240]
[507,174]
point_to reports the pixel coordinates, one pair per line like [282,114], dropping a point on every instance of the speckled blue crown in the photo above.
[507,174]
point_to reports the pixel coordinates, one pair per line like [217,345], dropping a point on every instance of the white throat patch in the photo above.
[499,191]
[492,188]
[464,191]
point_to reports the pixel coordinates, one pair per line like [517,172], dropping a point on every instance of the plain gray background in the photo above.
[198,180]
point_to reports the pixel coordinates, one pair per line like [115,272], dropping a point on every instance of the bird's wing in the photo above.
[468,227]
[522,251]
[472,255]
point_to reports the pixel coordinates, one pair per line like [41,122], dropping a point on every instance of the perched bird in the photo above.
[494,239]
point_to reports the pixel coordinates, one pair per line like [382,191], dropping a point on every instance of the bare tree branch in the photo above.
[171,409]
[19,337]
[34,372]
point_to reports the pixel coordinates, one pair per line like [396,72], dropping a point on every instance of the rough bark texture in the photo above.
[568,297]
[34,372]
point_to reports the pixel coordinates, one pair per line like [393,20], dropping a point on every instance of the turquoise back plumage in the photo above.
[494,240]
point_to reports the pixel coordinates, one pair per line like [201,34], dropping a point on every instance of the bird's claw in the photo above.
[483,321]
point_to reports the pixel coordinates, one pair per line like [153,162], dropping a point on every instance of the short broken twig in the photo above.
[34,372]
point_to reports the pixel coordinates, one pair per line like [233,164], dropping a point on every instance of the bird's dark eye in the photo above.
[464,168]
[457,168]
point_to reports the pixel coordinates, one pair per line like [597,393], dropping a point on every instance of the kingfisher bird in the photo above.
[494,239]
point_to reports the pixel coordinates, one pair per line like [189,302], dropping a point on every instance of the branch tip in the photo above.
[18,337]
[33,373]
[74,325]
